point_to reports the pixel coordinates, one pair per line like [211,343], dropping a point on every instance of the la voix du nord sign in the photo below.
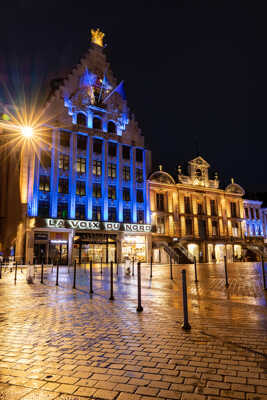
[96,225]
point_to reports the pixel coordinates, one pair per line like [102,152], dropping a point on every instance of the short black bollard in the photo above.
[151,259]
[16,270]
[101,266]
[195,266]
[133,267]
[117,267]
[226,272]
[263,273]
[91,277]
[111,281]
[74,276]
[57,275]
[42,272]
[139,305]
[186,326]
[171,276]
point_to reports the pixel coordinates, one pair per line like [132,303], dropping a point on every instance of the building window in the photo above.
[246,213]
[200,209]
[140,217]
[233,210]
[160,225]
[63,186]
[112,214]
[43,209]
[234,229]
[97,168]
[198,172]
[126,215]
[81,165]
[112,170]
[112,149]
[97,146]
[139,175]
[112,192]
[126,194]
[44,183]
[187,205]
[126,152]
[160,201]
[97,123]
[126,173]
[213,207]
[97,213]
[81,142]
[80,211]
[81,119]
[189,226]
[64,162]
[80,188]
[45,159]
[97,190]
[62,210]
[252,213]
[49,136]
[139,196]
[64,139]
[139,155]
[257,213]
[214,228]
[111,127]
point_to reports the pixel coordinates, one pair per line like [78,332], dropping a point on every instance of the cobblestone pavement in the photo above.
[64,344]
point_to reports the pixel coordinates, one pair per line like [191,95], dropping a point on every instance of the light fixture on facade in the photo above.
[27,131]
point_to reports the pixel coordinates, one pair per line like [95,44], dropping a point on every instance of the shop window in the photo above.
[126,152]
[126,215]
[235,229]
[62,210]
[126,194]
[97,168]
[97,213]
[81,165]
[160,201]
[214,228]
[97,123]
[97,190]
[64,162]
[213,207]
[64,139]
[139,175]
[126,173]
[140,217]
[112,214]
[189,226]
[200,210]
[44,183]
[80,211]
[45,160]
[112,169]
[112,149]
[97,146]
[81,119]
[160,225]
[111,127]
[187,205]
[139,196]
[81,142]
[43,209]
[139,155]
[80,188]
[112,192]
[63,186]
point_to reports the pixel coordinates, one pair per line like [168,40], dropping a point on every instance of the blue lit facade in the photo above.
[254,218]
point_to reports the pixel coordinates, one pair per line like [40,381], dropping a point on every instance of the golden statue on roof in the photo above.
[97,37]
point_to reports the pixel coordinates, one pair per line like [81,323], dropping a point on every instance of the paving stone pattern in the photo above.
[61,343]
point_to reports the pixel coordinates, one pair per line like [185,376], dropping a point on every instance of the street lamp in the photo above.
[27,131]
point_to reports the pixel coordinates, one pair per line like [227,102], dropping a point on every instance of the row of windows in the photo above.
[63,187]
[257,214]
[97,123]
[62,212]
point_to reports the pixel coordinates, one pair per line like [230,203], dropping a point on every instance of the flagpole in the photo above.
[100,94]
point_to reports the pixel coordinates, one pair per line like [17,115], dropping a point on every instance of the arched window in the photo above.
[111,127]
[81,119]
[97,123]
[198,172]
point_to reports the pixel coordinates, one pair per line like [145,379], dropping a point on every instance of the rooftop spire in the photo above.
[97,37]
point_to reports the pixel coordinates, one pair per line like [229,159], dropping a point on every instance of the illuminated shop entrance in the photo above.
[134,246]
[89,246]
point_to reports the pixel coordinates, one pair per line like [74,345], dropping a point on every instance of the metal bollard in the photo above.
[133,267]
[101,266]
[42,272]
[117,267]
[171,276]
[74,276]
[226,272]
[111,281]
[16,270]
[57,275]
[139,305]
[186,326]
[151,259]
[263,273]
[195,266]
[91,277]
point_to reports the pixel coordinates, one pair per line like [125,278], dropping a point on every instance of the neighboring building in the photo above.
[256,224]
[194,217]
[78,188]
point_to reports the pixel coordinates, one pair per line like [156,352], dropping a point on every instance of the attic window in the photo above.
[198,172]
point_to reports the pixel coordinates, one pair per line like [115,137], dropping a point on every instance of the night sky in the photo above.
[193,72]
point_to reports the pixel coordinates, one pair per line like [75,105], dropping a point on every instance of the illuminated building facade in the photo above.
[83,191]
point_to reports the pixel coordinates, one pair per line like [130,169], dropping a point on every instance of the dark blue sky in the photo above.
[191,69]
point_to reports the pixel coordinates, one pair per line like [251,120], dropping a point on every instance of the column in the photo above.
[54,176]
[133,185]
[104,180]
[72,176]
[119,184]
[89,178]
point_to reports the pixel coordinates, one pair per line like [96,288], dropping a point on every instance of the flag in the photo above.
[119,89]
[88,78]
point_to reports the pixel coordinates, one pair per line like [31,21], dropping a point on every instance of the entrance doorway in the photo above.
[40,252]
[59,253]
[95,247]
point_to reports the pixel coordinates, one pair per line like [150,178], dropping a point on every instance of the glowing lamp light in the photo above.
[27,131]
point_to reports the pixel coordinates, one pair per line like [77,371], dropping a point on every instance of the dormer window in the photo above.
[198,172]
[81,119]
[111,127]
[97,123]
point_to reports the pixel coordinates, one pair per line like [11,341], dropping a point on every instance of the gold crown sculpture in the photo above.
[97,37]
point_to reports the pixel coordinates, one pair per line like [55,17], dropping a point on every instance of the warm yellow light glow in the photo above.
[27,131]
[97,37]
